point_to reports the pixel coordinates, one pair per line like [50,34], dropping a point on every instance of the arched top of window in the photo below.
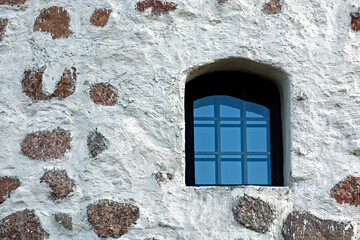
[233,131]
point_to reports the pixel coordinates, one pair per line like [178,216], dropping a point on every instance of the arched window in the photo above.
[233,131]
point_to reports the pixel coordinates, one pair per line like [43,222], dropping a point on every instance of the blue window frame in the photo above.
[233,131]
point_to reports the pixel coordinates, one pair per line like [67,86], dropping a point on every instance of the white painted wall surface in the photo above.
[148,59]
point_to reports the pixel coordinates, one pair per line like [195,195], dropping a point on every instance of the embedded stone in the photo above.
[158,7]
[305,226]
[32,84]
[272,7]
[355,21]
[103,93]
[46,144]
[347,191]
[64,219]
[160,177]
[33,87]
[22,225]
[222,1]
[12,2]
[7,185]
[112,219]
[59,182]
[254,214]
[54,20]
[3,24]
[66,86]
[100,17]
[97,143]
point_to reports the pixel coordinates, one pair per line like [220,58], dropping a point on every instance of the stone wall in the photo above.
[92,117]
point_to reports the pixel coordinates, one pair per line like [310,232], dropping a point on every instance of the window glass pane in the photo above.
[231,173]
[256,110]
[258,173]
[257,139]
[230,139]
[257,157]
[204,107]
[231,157]
[204,139]
[205,173]
[230,106]
[199,157]
[227,122]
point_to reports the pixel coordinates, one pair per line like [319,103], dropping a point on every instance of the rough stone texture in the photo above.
[66,86]
[109,218]
[54,20]
[22,225]
[97,143]
[46,144]
[100,17]
[222,1]
[64,219]
[103,93]
[59,182]
[158,7]
[160,177]
[7,185]
[3,23]
[12,2]
[305,226]
[253,213]
[347,191]
[309,49]
[272,7]
[32,84]
[355,21]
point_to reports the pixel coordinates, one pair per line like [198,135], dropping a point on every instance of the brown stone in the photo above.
[100,17]
[222,1]
[12,2]
[305,226]
[158,7]
[46,144]
[160,177]
[22,225]
[33,87]
[64,219]
[272,7]
[66,86]
[355,21]
[3,23]
[103,93]
[347,191]
[32,84]
[7,185]
[59,182]
[112,219]
[254,214]
[54,20]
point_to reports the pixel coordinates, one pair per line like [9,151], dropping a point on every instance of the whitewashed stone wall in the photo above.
[308,48]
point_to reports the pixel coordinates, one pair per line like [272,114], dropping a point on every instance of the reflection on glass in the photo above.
[204,107]
[256,110]
[231,173]
[230,106]
[230,138]
[205,173]
[257,139]
[258,173]
[204,139]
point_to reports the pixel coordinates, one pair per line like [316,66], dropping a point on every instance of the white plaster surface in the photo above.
[310,49]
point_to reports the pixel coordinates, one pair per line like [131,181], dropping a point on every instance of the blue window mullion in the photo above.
[245,173]
[218,141]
